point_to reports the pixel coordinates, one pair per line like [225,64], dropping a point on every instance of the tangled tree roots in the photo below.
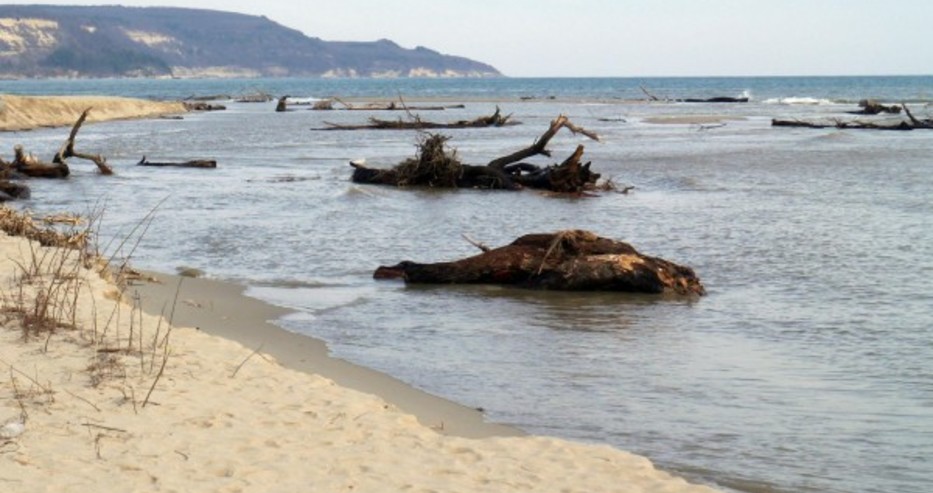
[435,166]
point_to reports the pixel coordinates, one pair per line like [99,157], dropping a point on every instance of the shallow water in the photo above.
[807,368]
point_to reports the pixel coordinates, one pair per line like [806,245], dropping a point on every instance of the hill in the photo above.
[114,41]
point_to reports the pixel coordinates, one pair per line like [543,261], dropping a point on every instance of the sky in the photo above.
[623,38]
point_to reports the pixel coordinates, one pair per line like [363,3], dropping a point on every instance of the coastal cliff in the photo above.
[115,41]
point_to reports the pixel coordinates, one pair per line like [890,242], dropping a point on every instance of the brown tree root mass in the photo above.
[571,260]
[435,166]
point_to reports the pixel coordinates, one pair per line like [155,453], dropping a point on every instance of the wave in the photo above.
[801,101]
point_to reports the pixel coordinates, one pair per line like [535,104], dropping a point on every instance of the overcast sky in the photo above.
[537,38]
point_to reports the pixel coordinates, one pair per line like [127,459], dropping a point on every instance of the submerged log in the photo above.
[435,166]
[872,107]
[567,260]
[203,106]
[716,99]
[911,123]
[416,123]
[197,163]
[328,105]
[10,190]
[27,165]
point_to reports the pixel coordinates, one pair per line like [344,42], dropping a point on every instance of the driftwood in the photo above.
[416,123]
[717,99]
[282,105]
[25,164]
[328,105]
[203,106]
[256,97]
[197,163]
[872,107]
[28,165]
[435,166]
[68,149]
[10,190]
[911,123]
[567,260]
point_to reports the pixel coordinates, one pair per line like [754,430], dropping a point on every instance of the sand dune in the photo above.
[29,112]
[114,400]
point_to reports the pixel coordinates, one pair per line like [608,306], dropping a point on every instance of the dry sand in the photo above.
[29,112]
[118,402]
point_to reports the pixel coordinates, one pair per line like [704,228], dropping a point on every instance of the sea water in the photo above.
[808,367]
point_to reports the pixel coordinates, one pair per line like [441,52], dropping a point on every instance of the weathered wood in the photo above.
[540,145]
[872,107]
[567,260]
[434,166]
[10,190]
[27,165]
[282,105]
[842,124]
[67,149]
[203,106]
[328,105]
[416,123]
[197,163]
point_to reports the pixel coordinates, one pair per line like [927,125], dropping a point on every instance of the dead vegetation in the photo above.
[49,295]
[901,124]
[435,165]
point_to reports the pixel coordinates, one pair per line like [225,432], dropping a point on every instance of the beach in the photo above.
[112,394]
[29,112]
[166,383]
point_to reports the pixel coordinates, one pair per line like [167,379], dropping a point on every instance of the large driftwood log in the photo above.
[28,165]
[196,163]
[911,123]
[435,166]
[716,99]
[567,260]
[416,123]
[328,105]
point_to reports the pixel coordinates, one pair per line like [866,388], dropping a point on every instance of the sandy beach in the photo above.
[29,112]
[98,391]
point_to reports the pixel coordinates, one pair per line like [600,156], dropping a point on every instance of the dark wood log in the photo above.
[416,123]
[433,166]
[67,149]
[567,260]
[872,107]
[28,165]
[841,124]
[203,106]
[10,190]
[282,105]
[197,163]
[540,145]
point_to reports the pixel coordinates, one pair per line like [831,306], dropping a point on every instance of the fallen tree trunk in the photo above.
[911,123]
[67,149]
[568,260]
[197,163]
[416,123]
[857,125]
[434,166]
[716,99]
[328,105]
[27,165]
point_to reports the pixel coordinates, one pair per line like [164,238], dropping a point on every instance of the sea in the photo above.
[807,368]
